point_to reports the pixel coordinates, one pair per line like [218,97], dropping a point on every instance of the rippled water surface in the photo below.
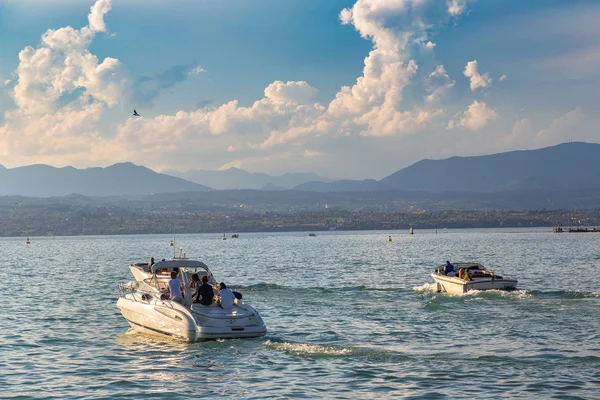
[350,315]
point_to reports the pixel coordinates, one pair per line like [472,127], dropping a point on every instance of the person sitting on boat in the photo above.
[175,288]
[204,293]
[449,270]
[464,274]
[195,283]
[150,264]
[226,296]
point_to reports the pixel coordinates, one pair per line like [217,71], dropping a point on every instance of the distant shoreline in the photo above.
[385,233]
[64,221]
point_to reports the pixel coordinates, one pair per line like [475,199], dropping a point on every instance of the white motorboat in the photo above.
[147,308]
[470,276]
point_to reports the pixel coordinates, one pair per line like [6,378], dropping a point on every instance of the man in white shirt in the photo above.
[175,288]
[226,297]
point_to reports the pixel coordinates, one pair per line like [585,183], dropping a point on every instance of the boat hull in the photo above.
[167,318]
[454,285]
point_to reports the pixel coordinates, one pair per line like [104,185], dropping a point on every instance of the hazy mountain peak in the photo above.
[236,178]
[126,164]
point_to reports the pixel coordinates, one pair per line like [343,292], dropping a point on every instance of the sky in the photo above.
[349,89]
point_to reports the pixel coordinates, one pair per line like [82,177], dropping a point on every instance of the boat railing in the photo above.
[137,292]
[128,288]
[135,289]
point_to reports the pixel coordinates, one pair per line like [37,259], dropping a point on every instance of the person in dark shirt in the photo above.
[204,293]
[449,270]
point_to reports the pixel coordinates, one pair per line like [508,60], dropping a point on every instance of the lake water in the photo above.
[350,315]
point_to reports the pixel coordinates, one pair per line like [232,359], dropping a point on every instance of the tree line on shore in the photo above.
[47,220]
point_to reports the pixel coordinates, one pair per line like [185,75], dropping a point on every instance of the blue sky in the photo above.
[258,84]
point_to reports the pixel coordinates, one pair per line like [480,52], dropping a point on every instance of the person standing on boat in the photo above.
[175,288]
[204,293]
[449,270]
[226,296]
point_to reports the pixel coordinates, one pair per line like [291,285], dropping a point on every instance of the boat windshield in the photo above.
[171,265]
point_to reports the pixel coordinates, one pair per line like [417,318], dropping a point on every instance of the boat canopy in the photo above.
[170,265]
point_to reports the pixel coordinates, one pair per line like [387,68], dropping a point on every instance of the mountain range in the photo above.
[119,179]
[235,178]
[565,167]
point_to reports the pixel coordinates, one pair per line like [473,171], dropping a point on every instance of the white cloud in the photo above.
[290,92]
[560,129]
[477,80]
[456,7]
[438,83]
[476,117]
[97,13]
[502,78]
[197,70]
[63,91]
[372,106]
[522,128]
[61,88]
[429,45]
[311,153]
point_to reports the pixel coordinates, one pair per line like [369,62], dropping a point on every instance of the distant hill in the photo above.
[568,166]
[270,187]
[340,186]
[118,179]
[235,178]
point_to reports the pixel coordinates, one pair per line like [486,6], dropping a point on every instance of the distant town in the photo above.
[56,219]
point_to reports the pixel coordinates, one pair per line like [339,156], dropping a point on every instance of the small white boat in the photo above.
[470,276]
[148,310]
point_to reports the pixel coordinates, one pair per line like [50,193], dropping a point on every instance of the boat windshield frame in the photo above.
[467,265]
[187,265]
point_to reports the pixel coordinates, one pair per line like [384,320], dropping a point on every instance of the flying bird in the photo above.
[135,114]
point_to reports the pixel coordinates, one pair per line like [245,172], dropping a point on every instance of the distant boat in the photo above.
[312,234]
[389,238]
[235,236]
[224,237]
[411,230]
[27,241]
[579,230]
